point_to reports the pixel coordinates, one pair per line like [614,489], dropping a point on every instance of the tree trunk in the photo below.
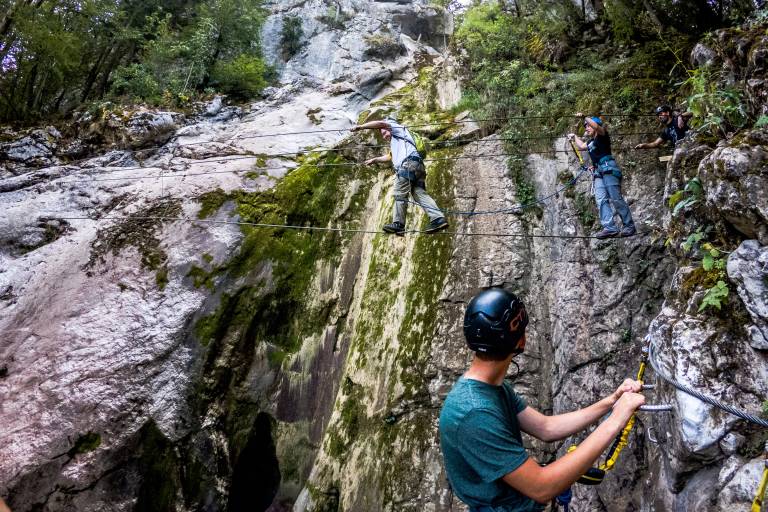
[113,59]
[57,103]
[7,21]
[29,90]
[652,14]
[7,48]
[92,75]
[38,98]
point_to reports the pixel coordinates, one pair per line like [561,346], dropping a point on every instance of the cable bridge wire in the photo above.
[571,182]
[430,144]
[439,123]
[444,123]
[514,209]
[313,228]
[232,158]
[696,394]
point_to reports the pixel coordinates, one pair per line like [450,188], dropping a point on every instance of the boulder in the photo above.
[36,149]
[748,268]
[735,181]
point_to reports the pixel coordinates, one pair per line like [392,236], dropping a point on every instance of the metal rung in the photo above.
[649,386]
[655,408]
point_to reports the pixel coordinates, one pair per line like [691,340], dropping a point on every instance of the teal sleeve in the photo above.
[520,404]
[488,446]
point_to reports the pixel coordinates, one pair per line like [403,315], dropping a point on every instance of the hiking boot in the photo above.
[436,225]
[628,231]
[397,228]
[606,233]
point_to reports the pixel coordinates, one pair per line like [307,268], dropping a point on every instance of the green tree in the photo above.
[290,36]
[57,54]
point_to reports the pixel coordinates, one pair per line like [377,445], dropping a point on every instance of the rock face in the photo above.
[157,355]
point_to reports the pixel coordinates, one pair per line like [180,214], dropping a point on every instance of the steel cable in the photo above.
[704,398]
[320,228]
[514,209]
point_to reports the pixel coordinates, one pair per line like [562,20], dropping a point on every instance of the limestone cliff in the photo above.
[157,355]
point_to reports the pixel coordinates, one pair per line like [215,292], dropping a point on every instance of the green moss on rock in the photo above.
[308,196]
[161,277]
[210,202]
[139,230]
[85,443]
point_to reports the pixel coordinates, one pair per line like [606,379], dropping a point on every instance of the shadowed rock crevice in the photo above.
[256,472]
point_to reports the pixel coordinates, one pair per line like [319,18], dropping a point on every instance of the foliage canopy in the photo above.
[57,55]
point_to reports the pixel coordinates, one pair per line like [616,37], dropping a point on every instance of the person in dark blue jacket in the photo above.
[674,126]
[607,179]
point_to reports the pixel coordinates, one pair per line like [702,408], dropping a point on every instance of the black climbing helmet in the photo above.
[663,108]
[495,322]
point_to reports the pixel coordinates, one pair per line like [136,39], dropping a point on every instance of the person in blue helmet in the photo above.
[607,179]
[409,177]
[482,419]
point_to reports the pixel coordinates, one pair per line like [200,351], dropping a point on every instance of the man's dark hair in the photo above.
[491,357]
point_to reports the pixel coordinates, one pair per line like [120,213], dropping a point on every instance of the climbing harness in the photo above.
[757,503]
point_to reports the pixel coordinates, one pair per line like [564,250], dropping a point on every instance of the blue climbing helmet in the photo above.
[495,322]
[596,119]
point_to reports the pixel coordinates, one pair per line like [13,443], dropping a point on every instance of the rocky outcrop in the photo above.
[157,355]
[747,268]
[735,180]
[710,459]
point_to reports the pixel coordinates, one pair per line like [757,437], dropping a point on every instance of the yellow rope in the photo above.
[578,153]
[757,504]
[622,439]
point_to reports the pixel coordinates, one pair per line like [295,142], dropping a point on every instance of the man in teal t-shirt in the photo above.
[482,419]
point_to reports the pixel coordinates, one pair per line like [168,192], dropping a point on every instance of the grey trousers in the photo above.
[401,189]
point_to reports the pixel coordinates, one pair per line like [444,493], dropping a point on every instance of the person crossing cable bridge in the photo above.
[674,127]
[483,417]
[606,178]
[410,174]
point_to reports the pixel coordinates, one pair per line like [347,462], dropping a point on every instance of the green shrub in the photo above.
[716,110]
[242,77]
[290,36]
[715,296]
[334,17]
[384,46]
[136,81]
